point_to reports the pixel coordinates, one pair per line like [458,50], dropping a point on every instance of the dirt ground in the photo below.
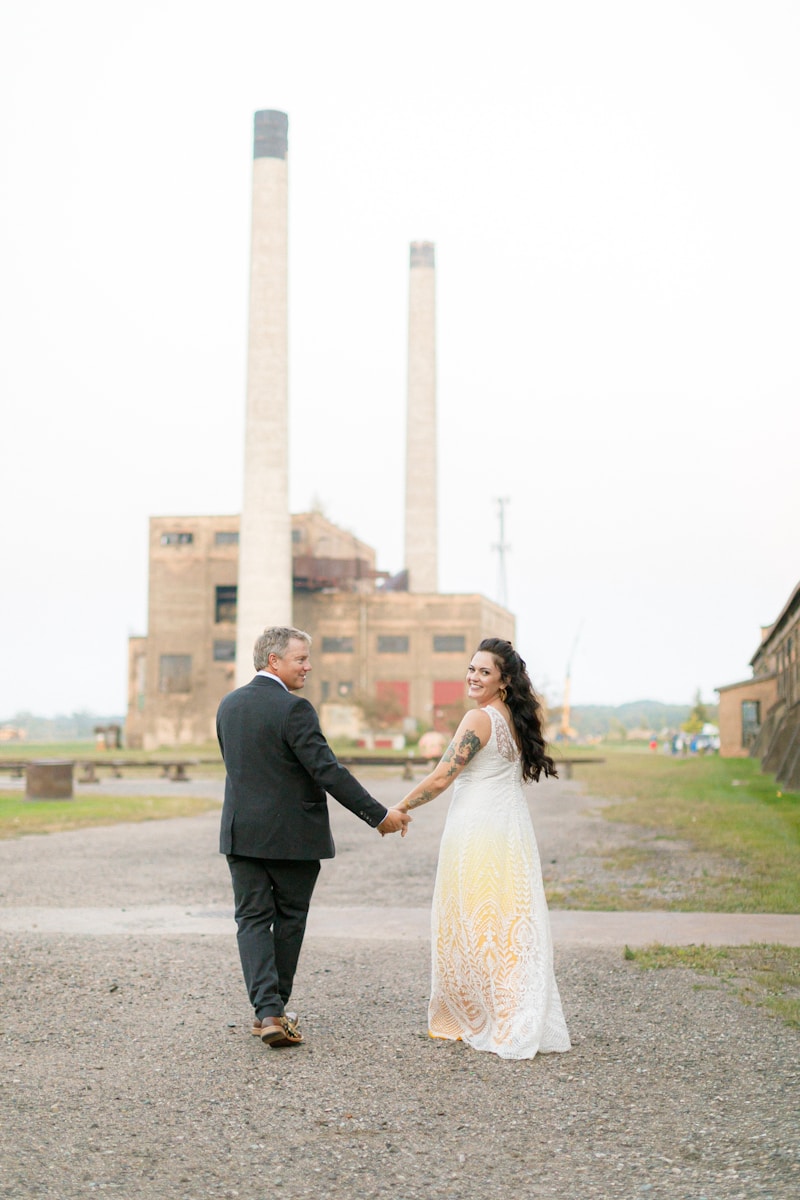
[128,1068]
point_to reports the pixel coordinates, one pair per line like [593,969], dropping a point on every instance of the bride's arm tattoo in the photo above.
[457,756]
[468,747]
[423,798]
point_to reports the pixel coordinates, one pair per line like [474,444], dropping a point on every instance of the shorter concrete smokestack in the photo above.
[421,485]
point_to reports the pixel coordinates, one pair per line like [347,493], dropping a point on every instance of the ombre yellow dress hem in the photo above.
[492,980]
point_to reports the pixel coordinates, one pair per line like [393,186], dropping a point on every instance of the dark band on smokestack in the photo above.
[422,254]
[270,134]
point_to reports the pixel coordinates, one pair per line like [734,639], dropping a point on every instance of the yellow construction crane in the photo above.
[565,731]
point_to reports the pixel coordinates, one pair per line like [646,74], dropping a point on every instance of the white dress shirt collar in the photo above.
[272,675]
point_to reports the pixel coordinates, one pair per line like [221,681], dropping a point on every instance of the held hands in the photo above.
[395,820]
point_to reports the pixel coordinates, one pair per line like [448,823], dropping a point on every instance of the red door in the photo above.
[449,704]
[397,689]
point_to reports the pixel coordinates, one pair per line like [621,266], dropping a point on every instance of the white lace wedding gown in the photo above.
[493,984]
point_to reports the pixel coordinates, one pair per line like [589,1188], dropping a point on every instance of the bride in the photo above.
[492,984]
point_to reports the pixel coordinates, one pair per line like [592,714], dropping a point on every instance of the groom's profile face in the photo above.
[294,666]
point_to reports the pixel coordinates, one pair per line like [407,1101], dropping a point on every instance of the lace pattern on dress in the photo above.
[506,745]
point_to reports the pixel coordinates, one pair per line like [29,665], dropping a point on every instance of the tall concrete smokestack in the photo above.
[421,504]
[265,545]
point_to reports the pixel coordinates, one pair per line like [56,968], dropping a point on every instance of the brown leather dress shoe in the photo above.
[291,1031]
[277,1031]
[271,1030]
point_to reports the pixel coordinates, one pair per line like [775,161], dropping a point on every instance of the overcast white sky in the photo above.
[614,193]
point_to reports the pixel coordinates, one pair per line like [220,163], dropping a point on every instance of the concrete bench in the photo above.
[382,760]
[17,769]
[565,765]
[173,768]
[176,770]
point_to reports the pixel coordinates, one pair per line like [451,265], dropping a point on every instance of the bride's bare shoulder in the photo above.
[475,723]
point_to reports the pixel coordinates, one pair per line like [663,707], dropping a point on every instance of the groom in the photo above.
[275,826]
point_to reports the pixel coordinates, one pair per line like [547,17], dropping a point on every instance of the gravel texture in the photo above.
[128,1068]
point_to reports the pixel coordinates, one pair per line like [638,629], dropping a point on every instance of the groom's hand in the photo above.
[394,821]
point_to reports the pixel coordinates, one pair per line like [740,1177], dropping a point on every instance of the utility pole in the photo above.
[502,547]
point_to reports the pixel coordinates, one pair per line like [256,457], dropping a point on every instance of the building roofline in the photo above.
[728,687]
[788,609]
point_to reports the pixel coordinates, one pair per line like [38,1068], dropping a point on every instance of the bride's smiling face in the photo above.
[484,679]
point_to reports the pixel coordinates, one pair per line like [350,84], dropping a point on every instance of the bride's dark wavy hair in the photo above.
[525,707]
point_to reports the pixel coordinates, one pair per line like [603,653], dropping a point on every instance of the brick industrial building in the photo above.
[369,639]
[394,645]
[761,716]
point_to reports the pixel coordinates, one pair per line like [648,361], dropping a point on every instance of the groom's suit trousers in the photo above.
[272,898]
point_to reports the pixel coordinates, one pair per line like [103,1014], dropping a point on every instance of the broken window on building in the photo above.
[177,539]
[392,644]
[751,721]
[225,604]
[449,643]
[337,645]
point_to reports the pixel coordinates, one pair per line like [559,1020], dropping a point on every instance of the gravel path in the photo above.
[128,1068]
[580,850]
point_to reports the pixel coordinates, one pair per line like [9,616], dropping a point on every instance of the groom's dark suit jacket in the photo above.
[279,768]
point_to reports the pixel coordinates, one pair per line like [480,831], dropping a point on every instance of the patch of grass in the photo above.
[726,807]
[19,816]
[761,974]
[646,895]
[627,857]
[16,750]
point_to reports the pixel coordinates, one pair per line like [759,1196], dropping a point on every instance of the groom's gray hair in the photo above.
[275,640]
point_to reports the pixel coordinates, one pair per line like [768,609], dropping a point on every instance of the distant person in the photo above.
[493,984]
[275,824]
